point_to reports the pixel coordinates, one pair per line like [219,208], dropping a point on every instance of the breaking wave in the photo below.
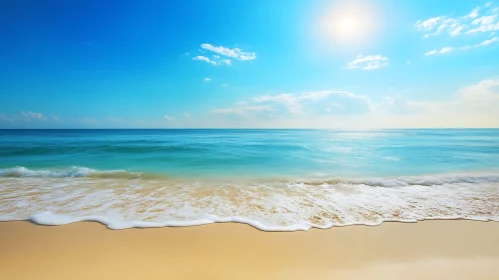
[122,199]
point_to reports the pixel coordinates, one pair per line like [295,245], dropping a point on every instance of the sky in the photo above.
[249,64]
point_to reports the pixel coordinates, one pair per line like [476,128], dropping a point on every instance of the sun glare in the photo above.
[348,26]
[349,22]
[345,27]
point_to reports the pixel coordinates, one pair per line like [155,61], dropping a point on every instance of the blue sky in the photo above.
[296,64]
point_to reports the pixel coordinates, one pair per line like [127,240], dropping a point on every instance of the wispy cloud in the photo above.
[207,79]
[187,115]
[441,51]
[468,24]
[168,118]
[472,106]
[464,48]
[485,24]
[5,118]
[28,116]
[482,44]
[488,42]
[368,62]
[290,101]
[204,58]
[32,115]
[241,110]
[235,53]
[432,52]
[484,90]
[294,103]
[446,49]
[115,120]
[87,121]
[398,105]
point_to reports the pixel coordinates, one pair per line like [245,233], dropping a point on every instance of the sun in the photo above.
[349,22]
[348,26]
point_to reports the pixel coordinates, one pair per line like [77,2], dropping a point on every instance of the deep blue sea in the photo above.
[271,179]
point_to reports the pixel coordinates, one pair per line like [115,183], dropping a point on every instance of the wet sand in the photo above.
[427,250]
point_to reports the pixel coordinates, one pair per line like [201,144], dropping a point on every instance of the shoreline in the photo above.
[432,249]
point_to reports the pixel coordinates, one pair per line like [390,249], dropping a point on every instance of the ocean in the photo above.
[274,180]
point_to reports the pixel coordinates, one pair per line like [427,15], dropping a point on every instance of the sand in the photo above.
[426,250]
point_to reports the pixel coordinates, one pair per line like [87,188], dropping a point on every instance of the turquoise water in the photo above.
[270,179]
[254,153]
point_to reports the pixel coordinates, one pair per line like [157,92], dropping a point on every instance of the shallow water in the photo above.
[271,179]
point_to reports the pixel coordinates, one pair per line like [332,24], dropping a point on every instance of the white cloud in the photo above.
[438,25]
[234,53]
[187,114]
[484,20]
[399,105]
[488,42]
[446,49]
[428,24]
[472,106]
[207,79]
[441,51]
[482,44]
[204,58]
[368,62]
[168,118]
[294,102]
[224,85]
[32,115]
[484,28]
[431,52]
[474,13]
[456,31]
[469,24]
[226,61]
[216,56]
[484,90]
[464,48]
[485,24]
[290,101]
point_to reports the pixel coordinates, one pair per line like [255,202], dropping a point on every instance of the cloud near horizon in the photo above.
[472,106]
[28,116]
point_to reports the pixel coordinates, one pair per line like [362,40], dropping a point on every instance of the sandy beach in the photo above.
[426,250]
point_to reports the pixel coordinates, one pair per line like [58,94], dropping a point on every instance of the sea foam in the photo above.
[23,172]
[60,197]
